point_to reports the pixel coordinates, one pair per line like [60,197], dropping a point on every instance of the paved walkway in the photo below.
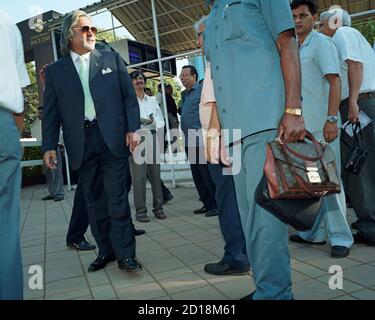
[173,253]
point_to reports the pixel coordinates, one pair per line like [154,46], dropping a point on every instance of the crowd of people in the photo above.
[285,77]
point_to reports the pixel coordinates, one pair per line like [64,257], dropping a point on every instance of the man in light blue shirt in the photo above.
[191,127]
[256,73]
[321,87]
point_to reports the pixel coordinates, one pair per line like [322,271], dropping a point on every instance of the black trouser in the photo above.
[79,220]
[104,180]
[201,176]
[361,187]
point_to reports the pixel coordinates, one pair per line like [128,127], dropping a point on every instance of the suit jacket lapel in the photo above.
[95,63]
[71,70]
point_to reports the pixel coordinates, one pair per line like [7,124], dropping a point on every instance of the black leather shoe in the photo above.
[296,238]
[202,210]
[224,269]
[139,232]
[359,238]
[339,252]
[100,262]
[58,198]
[129,264]
[49,197]
[81,246]
[212,213]
[248,297]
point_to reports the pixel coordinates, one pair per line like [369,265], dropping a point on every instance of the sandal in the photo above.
[143,218]
[160,215]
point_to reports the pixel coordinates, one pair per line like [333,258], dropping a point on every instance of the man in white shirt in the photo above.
[357,72]
[151,121]
[13,77]
[321,100]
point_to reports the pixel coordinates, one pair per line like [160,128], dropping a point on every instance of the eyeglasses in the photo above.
[86,29]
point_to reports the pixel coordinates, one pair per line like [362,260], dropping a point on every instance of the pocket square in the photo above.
[106,71]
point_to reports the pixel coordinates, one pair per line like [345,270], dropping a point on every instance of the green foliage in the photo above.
[367,28]
[32,153]
[31,100]
[108,36]
[153,85]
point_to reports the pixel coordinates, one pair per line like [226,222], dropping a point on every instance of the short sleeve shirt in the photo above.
[190,110]
[14,74]
[319,58]
[240,42]
[352,45]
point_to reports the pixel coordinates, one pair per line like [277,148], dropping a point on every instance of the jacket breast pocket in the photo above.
[111,79]
[237,17]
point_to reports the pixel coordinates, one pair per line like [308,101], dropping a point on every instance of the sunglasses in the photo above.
[86,29]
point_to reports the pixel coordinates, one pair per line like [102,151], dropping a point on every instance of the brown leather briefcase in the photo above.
[300,170]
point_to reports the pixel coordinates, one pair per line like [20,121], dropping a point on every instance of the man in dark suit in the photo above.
[90,94]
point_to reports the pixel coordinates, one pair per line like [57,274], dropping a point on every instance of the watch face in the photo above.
[332,119]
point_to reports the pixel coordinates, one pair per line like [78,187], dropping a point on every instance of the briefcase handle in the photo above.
[318,148]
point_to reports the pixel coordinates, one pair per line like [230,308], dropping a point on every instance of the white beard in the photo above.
[89,45]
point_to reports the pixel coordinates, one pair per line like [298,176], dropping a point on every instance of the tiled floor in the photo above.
[173,253]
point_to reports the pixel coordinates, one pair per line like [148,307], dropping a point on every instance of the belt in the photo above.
[362,96]
[91,124]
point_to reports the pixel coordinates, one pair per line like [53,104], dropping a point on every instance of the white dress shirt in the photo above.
[75,57]
[13,74]
[352,45]
[147,106]
[159,99]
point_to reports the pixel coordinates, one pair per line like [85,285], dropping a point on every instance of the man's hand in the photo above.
[212,149]
[215,150]
[19,119]
[330,131]
[50,159]
[132,140]
[292,128]
[353,111]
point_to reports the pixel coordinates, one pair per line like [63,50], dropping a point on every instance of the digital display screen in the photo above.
[152,56]
[135,55]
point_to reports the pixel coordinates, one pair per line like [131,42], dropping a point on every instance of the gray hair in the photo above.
[200,22]
[67,30]
[342,16]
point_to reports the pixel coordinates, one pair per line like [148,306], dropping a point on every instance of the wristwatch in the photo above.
[332,119]
[294,111]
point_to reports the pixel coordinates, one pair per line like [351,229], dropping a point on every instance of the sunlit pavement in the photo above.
[173,253]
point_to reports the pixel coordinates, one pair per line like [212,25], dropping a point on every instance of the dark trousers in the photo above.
[164,190]
[79,220]
[104,180]
[201,176]
[229,218]
[361,188]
